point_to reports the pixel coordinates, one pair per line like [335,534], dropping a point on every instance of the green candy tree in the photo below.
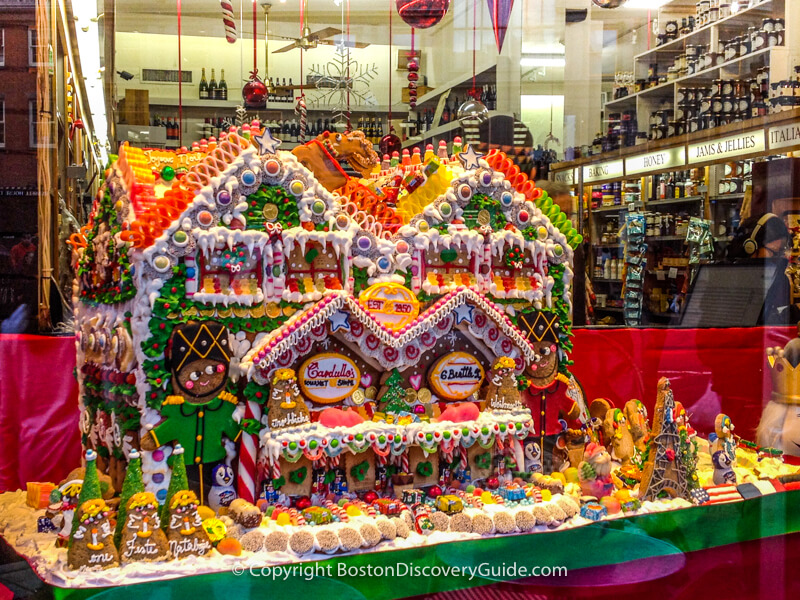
[90,489]
[132,484]
[177,483]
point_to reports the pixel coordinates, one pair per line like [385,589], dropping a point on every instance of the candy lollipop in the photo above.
[227,20]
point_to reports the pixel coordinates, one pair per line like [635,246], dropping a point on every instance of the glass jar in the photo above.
[759,40]
[768,25]
[728,103]
[671,29]
[727,87]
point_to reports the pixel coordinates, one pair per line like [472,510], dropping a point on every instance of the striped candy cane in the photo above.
[276,469]
[404,465]
[462,453]
[301,109]
[248,454]
[227,20]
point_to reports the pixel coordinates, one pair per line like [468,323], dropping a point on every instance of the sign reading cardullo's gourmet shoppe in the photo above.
[728,147]
[328,378]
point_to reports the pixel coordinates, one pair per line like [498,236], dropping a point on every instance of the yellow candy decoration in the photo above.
[486,498]
[571,475]
[546,496]
[353,511]
[283,519]
[215,529]
[560,476]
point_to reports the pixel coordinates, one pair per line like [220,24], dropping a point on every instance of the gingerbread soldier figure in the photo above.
[200,411]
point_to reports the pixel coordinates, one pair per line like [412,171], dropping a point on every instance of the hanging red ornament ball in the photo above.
[422,13]
[390,143]
[302,503]
[413,65]
[254,93]
[412,85]
[412,104]
[413,76]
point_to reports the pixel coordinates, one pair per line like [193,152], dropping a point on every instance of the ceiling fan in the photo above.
[310,39]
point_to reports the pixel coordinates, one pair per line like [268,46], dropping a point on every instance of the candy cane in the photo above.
[404,468]
[301,109]
[462,452]
[276,469]
[227,20]
[297,517]
[248,453]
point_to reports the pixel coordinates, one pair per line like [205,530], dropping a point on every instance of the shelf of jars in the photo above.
[702,35]
[774,133]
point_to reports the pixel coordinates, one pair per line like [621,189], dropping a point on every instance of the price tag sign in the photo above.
[661,275]
[673,272]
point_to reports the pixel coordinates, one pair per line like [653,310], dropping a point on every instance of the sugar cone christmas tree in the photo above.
[133,484]
[177,483]
[394,396]
[90,489]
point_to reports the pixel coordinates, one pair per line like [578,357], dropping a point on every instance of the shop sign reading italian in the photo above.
[606,170]
[784,136]
[652,161]
[392,304]
[728,147]
[327,378]
[456,376]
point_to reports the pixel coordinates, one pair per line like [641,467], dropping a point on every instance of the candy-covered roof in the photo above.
[334,312]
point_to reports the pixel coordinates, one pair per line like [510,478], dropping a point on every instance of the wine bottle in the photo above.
[285,129]
[379,135]
[295,130]
[222,89]
[326,126]
[203,86]
[212,87]
[446,112]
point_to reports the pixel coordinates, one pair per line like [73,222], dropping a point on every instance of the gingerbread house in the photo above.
[193,290]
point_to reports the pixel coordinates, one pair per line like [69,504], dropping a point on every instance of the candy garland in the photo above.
[228,21]
[248,454]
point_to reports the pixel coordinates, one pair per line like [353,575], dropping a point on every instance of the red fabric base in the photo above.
[711,370]
[39,438]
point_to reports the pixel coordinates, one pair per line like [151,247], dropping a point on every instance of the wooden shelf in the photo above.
[607,245]
[665,238]
[603,280]
[673,201]
[726,198]
[610,308]
[194,103]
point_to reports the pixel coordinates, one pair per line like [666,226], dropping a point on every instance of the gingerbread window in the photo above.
[233,271]
[447,267]
[514,269]
[313,268]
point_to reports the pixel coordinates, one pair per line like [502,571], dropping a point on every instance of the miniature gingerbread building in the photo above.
[246,252]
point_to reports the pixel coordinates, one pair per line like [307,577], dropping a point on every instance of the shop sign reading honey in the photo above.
[456,376]
[327,378]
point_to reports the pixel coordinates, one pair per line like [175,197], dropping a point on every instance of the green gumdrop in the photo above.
[552,212]
[546,204]
[577,241]
[560,219]
[544,196]
[565,228]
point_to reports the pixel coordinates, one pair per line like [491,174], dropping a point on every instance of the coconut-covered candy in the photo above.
[387,528]
[504,522]
[461,522]
[524,520]
[349,538]
[276,541]
[542,514]
[301,542]
[482,523]
[370,534]
[440,520]
[402,528]
[253,541]
[569,505]
[327,540]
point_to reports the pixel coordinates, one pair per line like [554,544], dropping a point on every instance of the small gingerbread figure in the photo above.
[502,392]
[185,532]
[142,536]
[286,406]
[92,543]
